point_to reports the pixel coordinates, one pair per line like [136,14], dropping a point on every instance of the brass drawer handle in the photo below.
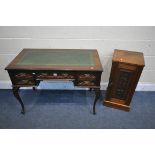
[23,75]
[55,74]
[87,76]
[86,83]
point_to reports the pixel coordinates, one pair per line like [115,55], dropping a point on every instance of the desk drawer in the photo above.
[55,75]
[23,79]
[86,79]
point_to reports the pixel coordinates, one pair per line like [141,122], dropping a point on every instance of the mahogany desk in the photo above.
[82,67]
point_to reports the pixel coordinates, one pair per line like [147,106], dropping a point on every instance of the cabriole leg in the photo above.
[34,88]
[97,96]
[16,94]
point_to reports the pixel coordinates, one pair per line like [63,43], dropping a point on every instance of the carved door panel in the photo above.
[121,83]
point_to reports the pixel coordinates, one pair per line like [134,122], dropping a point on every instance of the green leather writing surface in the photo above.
[73,58]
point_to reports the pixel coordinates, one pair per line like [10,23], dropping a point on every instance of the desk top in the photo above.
[56,59]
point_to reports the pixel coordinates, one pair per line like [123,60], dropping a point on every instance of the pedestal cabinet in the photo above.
[125,73]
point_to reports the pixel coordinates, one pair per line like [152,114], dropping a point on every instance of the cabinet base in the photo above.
[116,105]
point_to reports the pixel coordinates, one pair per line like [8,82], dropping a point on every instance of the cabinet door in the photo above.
[121,83]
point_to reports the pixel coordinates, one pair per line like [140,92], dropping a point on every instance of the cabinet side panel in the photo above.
[111,79]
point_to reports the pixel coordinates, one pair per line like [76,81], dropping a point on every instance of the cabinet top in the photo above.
[130,57]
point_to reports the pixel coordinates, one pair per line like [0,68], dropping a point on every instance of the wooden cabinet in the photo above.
[125,73]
